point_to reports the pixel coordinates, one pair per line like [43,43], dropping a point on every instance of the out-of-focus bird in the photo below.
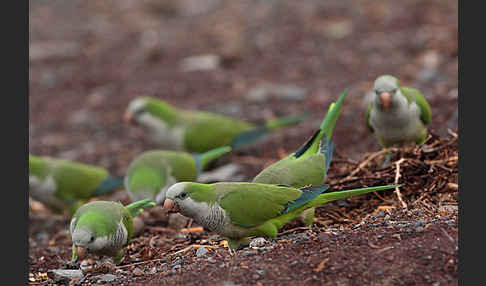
[64,185]
[196,131]
[104,228]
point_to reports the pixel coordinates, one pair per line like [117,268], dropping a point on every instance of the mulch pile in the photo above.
[427,201]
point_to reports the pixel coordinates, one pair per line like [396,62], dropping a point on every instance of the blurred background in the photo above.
[253,60]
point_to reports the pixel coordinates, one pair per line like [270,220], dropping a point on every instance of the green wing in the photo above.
[413,95]
[295,172]
[101,216]
[212,133]
[250,204]
[75,180]
[368,111]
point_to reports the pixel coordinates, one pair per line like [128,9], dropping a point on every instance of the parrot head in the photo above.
[89,233]
[385,89]
[190,199]
[145,108]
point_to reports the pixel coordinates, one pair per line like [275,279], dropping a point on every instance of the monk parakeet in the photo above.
[104,228]
[153,172]
[397,114]
[64,185]
[196,131]
[238,210]
[309,164]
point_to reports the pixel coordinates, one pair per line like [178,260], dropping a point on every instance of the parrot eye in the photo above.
[91,239]
[394,90]
[182,196]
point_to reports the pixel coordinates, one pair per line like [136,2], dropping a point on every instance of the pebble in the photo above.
[249,252]
[419,229]
[324,237]
[200,63]
[64,274]
[211,260]
[282,91]
[137,272]
[201,251]
[258,242]
[107,278]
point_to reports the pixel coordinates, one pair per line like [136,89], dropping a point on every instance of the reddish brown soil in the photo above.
[109,52]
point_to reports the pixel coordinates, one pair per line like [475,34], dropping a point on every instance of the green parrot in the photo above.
[238,210]
[64,185]
[309,164]
[153,172]
[104,228]
[196,131]
[397,114]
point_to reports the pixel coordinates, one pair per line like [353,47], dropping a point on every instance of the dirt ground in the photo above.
[88,59]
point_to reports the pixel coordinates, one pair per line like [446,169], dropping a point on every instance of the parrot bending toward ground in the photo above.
[196,131]
[397,114]
[104,228]
[64,185]
[309,164]
[153,172]
[238,210]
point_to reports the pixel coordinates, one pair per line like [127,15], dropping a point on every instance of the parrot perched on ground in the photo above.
[196,131]
[309,164]
[104,228]
[397,114]
[153,172]
[64,185]
[238,210]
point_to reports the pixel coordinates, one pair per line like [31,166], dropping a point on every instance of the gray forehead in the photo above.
[137,104]
[175,189]
[385,83]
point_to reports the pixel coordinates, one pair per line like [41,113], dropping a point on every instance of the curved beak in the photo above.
[385,98]
[81,251]
[128,118]
[170,206]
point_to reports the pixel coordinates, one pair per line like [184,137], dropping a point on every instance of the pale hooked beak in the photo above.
[170,206]
[81,251]
[385,98]
[128,118]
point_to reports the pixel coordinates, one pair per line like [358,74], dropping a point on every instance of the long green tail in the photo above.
[327,125]
[108,185]
[260,131]
[333,196]
[325,198]
[284,121]
[203,159]
[137,207]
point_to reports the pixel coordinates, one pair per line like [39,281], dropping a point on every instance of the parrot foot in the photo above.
[72,264]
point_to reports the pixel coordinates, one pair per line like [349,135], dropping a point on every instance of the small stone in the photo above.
[107,277]
[201,251]
[137,272]
[249,252]
[324,237]
[261,272]
[419,229]
[258,242]
[59,275]
[200,63]
[255,276]
[283,91]
[211,260]
[420,222]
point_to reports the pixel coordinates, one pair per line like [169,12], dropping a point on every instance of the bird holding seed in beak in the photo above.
[104,228]
[396,114]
